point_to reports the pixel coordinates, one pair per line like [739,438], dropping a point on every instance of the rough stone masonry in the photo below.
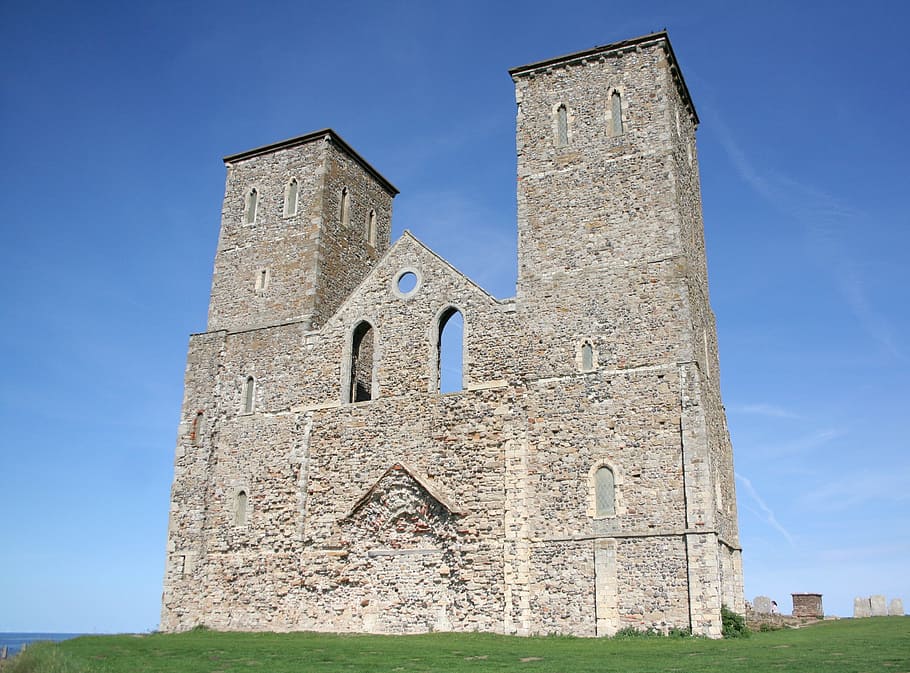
[581,481]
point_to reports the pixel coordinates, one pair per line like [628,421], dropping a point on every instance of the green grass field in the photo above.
[873,645]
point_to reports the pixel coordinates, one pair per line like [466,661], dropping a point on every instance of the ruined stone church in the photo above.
[579,482]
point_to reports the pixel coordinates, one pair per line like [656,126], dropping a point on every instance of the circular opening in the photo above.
[407,282]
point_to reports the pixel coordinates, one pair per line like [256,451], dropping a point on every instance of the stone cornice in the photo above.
[660,38]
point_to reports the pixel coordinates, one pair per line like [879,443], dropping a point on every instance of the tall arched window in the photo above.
[371,227]
[252,202]
[450,351]
[249,390]
[240,507]
[616,112]
[345,214]
[604,492]
[562,126]
[587,356]
[290,198]
[361,375]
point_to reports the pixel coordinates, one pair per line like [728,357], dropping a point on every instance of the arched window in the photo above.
[450,351]
[604,492]
[345,213]
[371,227]
[240,507]
[290,198]
[587,356]
[249,390]
[252,202]
[562,126]
[616,112]
[196,432]
[262,279]
[361,375]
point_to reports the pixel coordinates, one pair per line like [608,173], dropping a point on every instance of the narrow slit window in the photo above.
[252,202]
[290,198]
[196,432]
[240,508]
[248,395]
[450,351]
[345,214]
[361,383]
[371,227]
[604,492]
[616,112]
[562,126]
[262,279]
[587,356]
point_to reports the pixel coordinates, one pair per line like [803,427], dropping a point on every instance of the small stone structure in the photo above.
[808,605]
[579,482]
[762,605]
[877,606]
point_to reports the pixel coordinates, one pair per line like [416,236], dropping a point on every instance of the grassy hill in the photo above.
[855,646]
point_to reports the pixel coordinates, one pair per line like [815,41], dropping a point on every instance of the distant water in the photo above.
[15,641]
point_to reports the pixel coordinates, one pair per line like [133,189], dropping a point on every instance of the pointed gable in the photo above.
[400,510]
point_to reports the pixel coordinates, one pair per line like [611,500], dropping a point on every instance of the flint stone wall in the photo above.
[415,511]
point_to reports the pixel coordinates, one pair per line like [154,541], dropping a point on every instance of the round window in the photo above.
[406,282]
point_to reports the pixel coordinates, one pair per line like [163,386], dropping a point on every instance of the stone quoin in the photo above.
[580,482]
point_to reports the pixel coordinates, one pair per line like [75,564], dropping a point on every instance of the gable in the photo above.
[399,511]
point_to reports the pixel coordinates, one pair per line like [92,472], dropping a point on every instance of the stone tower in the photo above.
[303,222]
[612,290]
[580,481]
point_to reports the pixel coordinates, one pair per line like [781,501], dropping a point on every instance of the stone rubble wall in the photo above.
[417,511]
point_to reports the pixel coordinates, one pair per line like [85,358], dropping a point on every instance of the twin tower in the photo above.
[579,482]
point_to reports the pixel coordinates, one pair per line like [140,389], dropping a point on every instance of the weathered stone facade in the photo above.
[582,479]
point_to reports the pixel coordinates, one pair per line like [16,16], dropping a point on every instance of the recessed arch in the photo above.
[344,213]
[371,227]
[360,370]
[249,395]
[616,125]
[251,206]
[448,352]
[241,505]
[291,193]
[604,493]
[562,126]
[587,356]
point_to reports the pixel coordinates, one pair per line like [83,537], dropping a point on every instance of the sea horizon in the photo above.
[14,641]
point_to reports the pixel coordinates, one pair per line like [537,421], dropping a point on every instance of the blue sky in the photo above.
[115,117]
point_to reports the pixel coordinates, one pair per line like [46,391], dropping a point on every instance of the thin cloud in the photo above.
[765,511]
[822,214]
[769,410]
[860,488]
[803,444]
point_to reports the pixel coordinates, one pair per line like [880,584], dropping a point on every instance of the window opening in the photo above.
[345,206]
[616,107]
[562,126]
[290,200]
[196,432]
[248,391]
[604,492]
[587,356]
[407,282]
[362,345]
[371,228]
[252,200]
[262,279]
[450,354]
[240,508]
